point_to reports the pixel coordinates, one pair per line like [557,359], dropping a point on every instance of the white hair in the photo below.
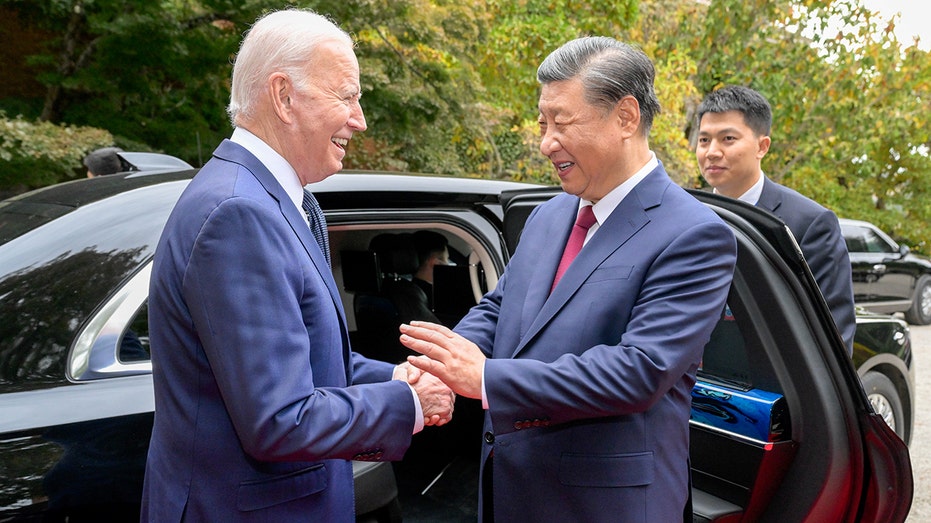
[281,41]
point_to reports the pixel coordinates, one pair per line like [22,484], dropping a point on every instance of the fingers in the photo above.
[428,332]
[434,327]
[425,364]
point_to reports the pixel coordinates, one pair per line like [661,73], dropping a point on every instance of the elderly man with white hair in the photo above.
[260,402]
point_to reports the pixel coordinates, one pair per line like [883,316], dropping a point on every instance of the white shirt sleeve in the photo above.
[418,415]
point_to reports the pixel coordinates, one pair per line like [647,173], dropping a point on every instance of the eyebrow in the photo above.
[721,131]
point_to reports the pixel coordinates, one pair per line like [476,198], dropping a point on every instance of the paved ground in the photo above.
[920,446]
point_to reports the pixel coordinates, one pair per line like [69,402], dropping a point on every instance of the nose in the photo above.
[548,143]
[713,150]
[357,118]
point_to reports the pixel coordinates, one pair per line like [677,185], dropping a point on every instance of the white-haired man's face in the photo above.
[325,114]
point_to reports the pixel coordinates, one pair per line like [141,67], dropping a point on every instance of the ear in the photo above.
[763,146]
[280,90]
[627,111]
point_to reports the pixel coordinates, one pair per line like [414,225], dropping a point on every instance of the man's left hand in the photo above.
[447,355]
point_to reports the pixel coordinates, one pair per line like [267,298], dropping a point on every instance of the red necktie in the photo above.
[584,221]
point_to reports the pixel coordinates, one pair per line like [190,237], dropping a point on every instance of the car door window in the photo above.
[134,345]
[874,243]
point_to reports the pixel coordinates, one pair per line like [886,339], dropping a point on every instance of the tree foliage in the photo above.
[449,86]
[850,102]
[34,154]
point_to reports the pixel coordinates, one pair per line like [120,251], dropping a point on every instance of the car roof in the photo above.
[849,221]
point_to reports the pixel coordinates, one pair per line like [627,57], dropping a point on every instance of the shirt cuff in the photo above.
[484,395]
[418,414]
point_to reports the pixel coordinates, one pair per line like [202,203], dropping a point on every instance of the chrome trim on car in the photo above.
[95,353]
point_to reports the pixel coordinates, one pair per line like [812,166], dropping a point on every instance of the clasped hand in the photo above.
[436,399]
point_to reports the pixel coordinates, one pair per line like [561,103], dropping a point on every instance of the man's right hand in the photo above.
[436,399]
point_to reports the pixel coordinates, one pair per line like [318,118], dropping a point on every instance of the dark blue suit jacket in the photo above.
[589,387]
[254,416]
[818,233]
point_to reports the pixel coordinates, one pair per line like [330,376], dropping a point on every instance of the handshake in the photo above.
[449,365]
[436,399]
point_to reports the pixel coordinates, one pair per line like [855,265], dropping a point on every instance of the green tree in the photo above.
[850,114]
[449,86]
[148,72]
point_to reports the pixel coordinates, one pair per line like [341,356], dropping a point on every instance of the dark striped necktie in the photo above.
[317,223]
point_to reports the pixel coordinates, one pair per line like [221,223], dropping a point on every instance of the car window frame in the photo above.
[94,354]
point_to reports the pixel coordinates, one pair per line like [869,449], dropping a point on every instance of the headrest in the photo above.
[395,252]
[360,272]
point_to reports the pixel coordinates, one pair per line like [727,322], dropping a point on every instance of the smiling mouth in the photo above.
[563,167]
[340,142]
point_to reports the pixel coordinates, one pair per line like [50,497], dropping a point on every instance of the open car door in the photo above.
[781,429]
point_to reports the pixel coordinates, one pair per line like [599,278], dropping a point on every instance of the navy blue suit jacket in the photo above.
[589,388]
[255,418]
[818,233]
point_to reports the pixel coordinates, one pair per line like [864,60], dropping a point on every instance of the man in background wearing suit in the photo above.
[260,403]
[734,123]
[585,367]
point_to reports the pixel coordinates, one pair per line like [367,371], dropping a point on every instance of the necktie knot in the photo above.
[586,218]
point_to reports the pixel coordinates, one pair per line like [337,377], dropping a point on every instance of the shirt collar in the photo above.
[606,205]
[752,196]
[274,162]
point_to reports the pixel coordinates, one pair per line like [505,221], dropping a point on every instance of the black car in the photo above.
[781,428]
[886,276]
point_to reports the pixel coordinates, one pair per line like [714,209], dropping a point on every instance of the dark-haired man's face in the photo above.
[581,140]
[729,152]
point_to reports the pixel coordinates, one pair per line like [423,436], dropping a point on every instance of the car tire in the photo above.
[885,400]
[920,311]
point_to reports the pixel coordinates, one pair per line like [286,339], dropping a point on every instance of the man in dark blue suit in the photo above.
[259,401]
[734,125]
[586,381]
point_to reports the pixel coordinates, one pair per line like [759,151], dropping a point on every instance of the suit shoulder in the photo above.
[684,203]
[798,202]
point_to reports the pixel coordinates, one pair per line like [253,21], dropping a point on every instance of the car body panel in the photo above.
[885,274]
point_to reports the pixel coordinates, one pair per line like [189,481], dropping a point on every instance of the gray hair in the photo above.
[609,70]
[280,41]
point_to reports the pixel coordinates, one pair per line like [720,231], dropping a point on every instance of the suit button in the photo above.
[489,438]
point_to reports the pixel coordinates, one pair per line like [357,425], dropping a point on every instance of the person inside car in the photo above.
[432,250]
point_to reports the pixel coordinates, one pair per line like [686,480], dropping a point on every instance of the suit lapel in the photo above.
[235,153]
[770,196]
[547,257]
[629,217]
